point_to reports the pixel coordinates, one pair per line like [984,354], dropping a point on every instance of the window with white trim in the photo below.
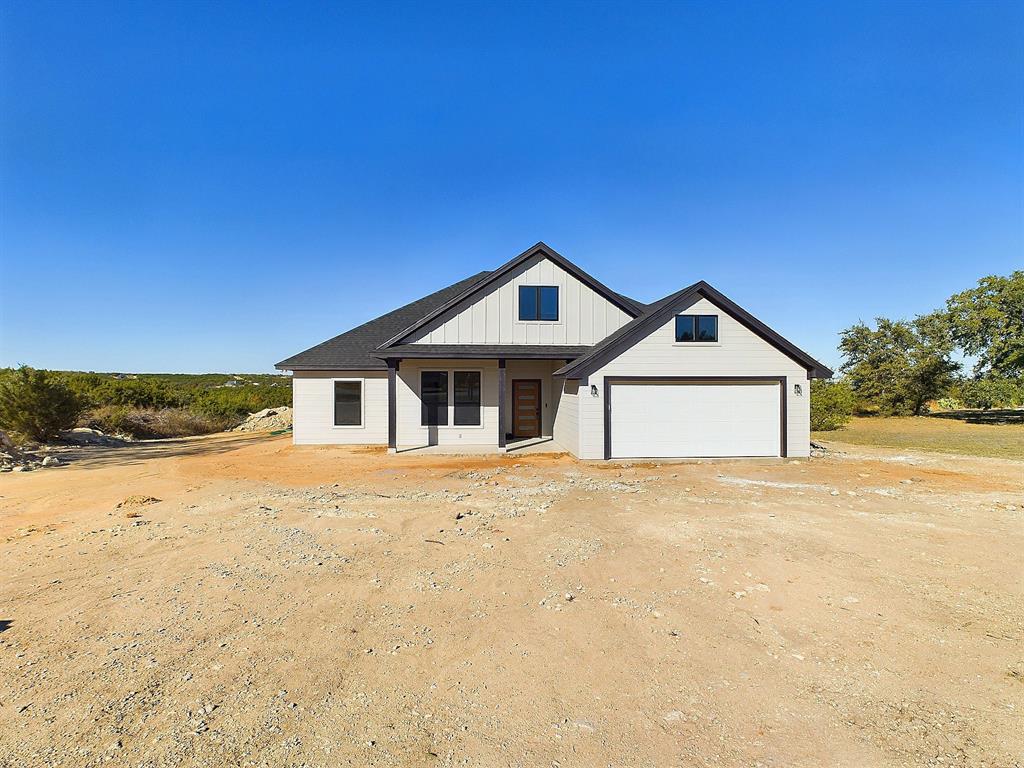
[456,391]
[434,398]
[348,403]
[467,399]
[696,328]
[538,302]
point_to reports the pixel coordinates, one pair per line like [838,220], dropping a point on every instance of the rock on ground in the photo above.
[267,420]
[89,436]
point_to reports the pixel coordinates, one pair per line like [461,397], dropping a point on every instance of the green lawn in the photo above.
[1004,441]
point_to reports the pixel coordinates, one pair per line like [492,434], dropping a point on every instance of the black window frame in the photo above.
[457,419]
[695,321]
[435,407]
[349,382]
[538,304]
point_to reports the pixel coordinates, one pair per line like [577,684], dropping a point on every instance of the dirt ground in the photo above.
[313,606]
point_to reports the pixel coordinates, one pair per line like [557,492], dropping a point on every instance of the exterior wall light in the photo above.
[798,389]
[593,390]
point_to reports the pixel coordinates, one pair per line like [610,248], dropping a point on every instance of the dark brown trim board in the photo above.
[781,380]
[392,404]
[501,402]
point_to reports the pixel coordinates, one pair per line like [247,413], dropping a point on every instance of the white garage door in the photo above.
[679,419]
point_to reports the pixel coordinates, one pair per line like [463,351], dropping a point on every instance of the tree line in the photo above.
[38,404]
[898,367]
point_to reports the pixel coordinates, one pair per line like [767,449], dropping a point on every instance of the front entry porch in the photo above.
[473,405]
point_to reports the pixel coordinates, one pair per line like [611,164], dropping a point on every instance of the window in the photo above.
[464,402]
[348,403]
[467,398]
[434,398]
[538,302]
[697,328]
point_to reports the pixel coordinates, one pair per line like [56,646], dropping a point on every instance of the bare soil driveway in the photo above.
[287,606]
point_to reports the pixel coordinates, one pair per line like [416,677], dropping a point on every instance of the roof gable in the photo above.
[527,258]
[660,311]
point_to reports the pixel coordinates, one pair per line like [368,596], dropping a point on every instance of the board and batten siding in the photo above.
[738,352]
[566,431]
[584,316]
[313,409]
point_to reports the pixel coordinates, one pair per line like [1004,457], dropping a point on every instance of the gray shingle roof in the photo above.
[354,350]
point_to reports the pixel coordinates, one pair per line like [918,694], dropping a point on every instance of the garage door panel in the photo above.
[685,419]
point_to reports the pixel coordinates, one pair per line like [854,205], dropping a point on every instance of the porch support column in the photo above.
[501,402]
[392,406]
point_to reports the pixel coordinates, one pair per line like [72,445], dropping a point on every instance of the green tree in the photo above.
[898,366]
[139,393]
[988,322]
[832,403]
[37,404]
[991,392]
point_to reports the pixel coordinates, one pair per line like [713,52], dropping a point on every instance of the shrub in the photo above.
[949,403]
[110,419]
[150,423]
[234,404]
[37,404]
[991,392]
[140,393]
[831,404]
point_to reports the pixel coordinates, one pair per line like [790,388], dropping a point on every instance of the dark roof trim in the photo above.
[659,314]
[327,367]
[537,252]
[487,351]
[353,349]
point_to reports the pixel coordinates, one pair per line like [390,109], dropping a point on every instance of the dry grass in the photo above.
[150,423]
[1003,441]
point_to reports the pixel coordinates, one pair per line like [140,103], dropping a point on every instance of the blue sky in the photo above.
[213,187]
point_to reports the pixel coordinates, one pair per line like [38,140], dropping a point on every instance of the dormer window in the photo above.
[538,302]
[696,328]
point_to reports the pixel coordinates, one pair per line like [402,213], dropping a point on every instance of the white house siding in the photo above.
[550,389]
[566,431]
[585,316]
[739,352]
[313,403]
[411,434]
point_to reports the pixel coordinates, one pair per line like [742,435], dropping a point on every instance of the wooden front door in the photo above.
[526,408]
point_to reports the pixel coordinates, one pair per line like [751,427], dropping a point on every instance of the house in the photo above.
[539,349]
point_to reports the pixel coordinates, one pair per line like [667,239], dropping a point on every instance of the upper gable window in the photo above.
[538,302]
[696,328]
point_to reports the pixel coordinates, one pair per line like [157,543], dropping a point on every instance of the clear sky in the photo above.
[216,186]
